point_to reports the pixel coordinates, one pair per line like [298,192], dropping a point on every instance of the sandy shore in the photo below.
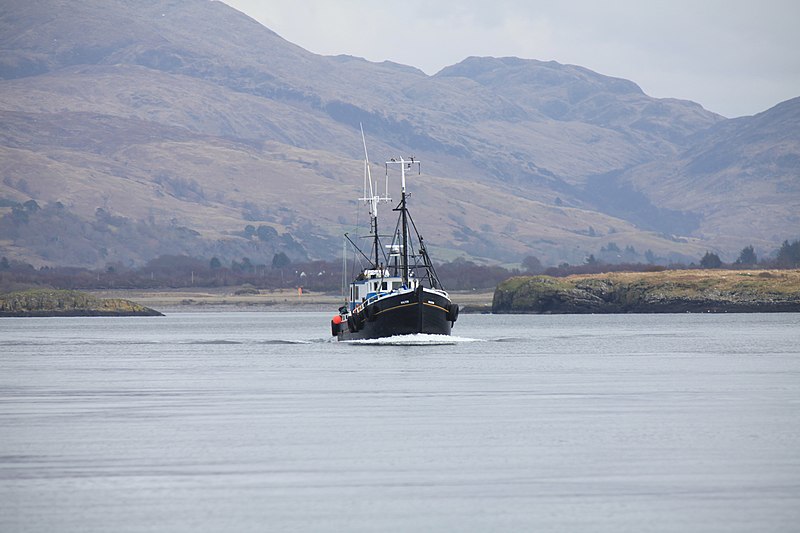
[227,299]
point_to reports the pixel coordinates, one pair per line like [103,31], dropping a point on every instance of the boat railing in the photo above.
[375,296]
[371,297]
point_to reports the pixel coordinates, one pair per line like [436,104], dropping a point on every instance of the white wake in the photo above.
[416,339]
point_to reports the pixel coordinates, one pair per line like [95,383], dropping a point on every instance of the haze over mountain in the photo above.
[148,127]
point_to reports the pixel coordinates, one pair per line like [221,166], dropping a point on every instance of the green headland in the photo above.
[49,302]
[669,291]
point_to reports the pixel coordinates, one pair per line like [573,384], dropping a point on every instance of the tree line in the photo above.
[181,271]
[787,256]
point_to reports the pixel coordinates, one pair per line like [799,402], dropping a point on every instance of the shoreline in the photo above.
[212,299]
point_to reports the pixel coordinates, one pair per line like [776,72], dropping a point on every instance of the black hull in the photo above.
[402,314]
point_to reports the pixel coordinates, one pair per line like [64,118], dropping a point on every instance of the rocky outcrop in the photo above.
[685,291]
[45,302]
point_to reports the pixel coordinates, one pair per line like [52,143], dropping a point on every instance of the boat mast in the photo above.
[404,214]
[404,217]
[372,200]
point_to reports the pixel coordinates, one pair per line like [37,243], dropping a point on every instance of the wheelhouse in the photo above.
[373,284]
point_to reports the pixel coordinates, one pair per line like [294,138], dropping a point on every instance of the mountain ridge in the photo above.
[223,124]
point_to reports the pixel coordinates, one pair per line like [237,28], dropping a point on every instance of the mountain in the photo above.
[742,177]
[147,127]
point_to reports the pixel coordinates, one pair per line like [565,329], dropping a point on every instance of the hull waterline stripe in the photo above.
[407,305]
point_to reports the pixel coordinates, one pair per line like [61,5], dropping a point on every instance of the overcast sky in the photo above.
[734,57]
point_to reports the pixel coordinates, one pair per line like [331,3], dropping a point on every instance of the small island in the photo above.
[55,303]
[669,291]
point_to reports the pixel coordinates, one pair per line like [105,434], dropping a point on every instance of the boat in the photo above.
[397,292]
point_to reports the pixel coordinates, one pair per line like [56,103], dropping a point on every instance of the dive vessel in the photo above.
[398,293]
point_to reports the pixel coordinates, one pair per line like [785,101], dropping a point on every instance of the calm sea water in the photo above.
[259,422]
